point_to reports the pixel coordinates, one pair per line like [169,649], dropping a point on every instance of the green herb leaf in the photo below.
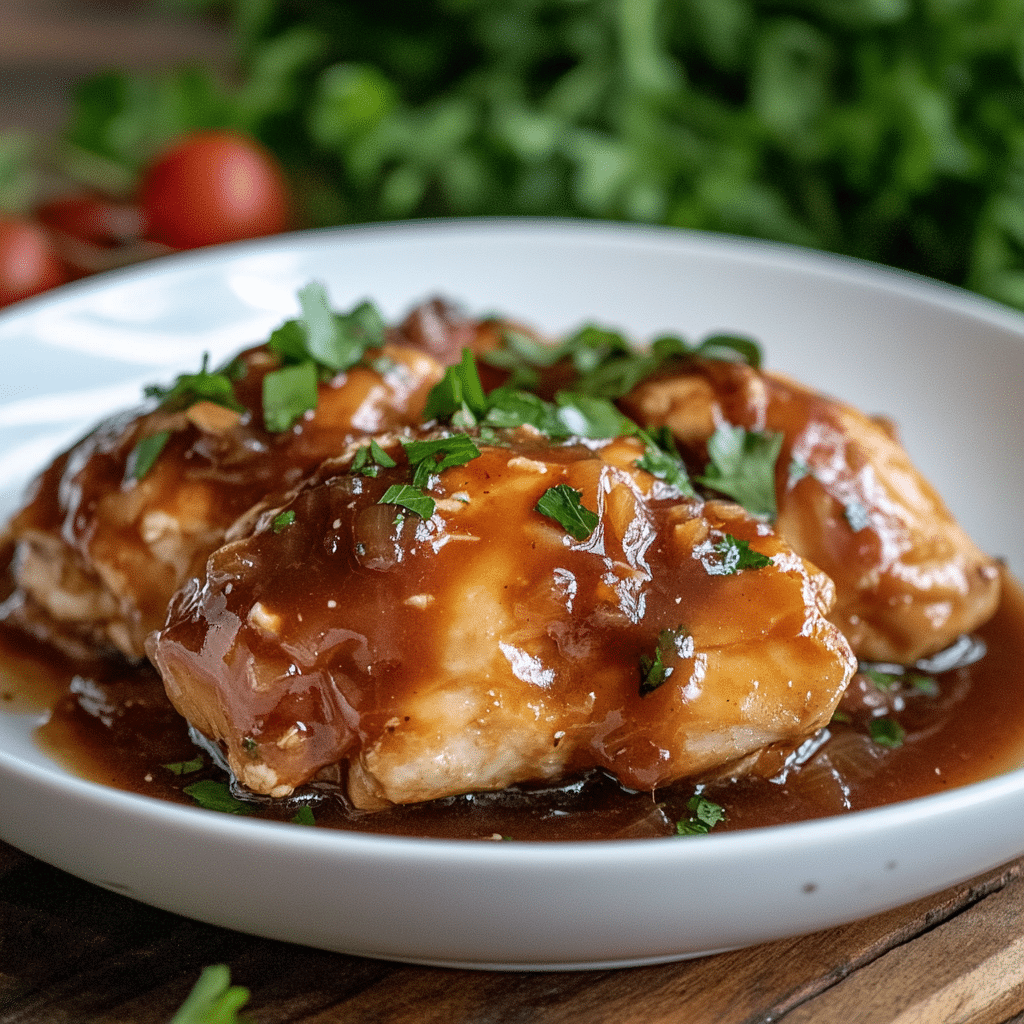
[926,686]
[618,375]
[653,669]
[729,346]
[409,497]
[304,816]
[564,504]
[704,816]
[283,520]
[918,682]
[320,340]
[186,767]
[213,999]
[742,467]
[607,365]
[591,416]
[653,672]
[439,454]
[733,556]
[205,386]
[509,408]
[370,459]
[145,453]
[288,342]
[884,681]
[887,732]
[288,394]
[216,796]
[338,341]
[380,456]
[593,345]
[458,391]
[661,459]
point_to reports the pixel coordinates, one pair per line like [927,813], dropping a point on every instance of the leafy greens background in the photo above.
[891,130]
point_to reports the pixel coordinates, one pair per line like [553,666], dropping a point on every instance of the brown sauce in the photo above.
[112,724]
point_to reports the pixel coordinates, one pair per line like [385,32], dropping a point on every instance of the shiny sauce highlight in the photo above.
[112,723]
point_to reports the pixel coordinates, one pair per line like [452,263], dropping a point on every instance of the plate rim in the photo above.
[820,832]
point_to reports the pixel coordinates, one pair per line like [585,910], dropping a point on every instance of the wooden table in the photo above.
[70,952]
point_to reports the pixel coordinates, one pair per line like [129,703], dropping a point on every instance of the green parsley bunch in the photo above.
[891,130]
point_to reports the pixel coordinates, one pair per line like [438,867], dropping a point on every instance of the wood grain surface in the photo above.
[71,952]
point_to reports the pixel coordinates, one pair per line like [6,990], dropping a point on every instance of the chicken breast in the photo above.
[550,609]
[100,547]
[908,579]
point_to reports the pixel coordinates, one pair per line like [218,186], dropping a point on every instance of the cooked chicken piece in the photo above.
[483,644]
[99,553]
[908,579]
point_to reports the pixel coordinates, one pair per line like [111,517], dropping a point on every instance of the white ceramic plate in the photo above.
[948,365]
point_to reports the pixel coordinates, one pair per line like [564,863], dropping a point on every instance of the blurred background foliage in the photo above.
[891,130]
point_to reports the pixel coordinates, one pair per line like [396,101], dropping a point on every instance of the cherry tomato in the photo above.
[92,218]
[211,187]
[29,262]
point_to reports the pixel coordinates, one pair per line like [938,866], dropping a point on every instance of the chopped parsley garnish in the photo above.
[521,356]
[426,458]
[380,456]
[213,999]
[216,796]
[738,555]
[459,395]
[333,341]
[653,670]
[886,732]
[591,416]
[742,467]
[288,394]
[459,398]
[186,767]
[409,497]
[315,346]
[370,459]
[729,555]
[729,347]
[188,389]
[304,816]
[606,364]
[145,453]
[205,386]
[564,504]
[619,367]
[283,520]
[661,459]
[509,408]
[883,680]
[925,685]
[703,817]
[431,457]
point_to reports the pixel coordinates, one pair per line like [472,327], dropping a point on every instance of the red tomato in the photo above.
[29,262]
[211,187]
[92,218]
